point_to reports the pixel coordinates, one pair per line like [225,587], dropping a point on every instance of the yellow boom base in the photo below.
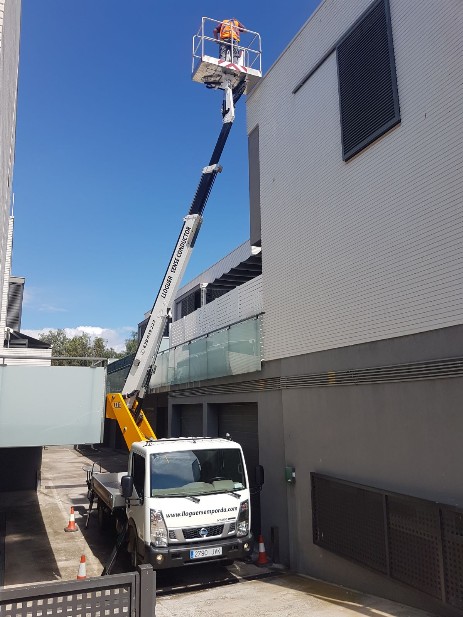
[116,409]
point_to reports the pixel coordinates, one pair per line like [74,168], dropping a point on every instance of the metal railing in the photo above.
[231,350]
[132,594]
[94,361]
[249,47]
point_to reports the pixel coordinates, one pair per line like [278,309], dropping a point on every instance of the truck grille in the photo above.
[191,534]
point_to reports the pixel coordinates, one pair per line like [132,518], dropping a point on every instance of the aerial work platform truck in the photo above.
[182,500]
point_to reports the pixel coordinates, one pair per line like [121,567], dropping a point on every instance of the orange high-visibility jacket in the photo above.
[230,29]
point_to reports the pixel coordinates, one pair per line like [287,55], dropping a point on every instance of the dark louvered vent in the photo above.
[190,303]
[349,520]
[15,301]
[213,294]
[414,541]
[369,101]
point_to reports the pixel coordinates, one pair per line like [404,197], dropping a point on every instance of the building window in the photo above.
[368,97]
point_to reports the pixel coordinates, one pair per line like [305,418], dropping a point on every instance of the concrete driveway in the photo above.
[36,549]
[286,595]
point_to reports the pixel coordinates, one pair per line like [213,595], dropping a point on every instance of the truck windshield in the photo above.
[196,472]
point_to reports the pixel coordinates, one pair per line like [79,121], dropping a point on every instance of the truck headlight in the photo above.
[242,527]
[158,529]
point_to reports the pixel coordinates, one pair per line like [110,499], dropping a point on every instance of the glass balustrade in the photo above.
[230,351]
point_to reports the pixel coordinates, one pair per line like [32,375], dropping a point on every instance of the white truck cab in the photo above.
[187,500]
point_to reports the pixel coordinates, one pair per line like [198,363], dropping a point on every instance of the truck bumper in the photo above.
[180,555]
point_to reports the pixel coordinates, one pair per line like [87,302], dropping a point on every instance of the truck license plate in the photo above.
[200,553]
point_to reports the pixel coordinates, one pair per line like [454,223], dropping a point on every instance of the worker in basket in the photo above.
[227,32]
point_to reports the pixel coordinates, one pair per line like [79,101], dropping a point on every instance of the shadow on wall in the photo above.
[23,465]
[25,541]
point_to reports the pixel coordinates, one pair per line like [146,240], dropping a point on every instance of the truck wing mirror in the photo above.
[127,486]
[259,475]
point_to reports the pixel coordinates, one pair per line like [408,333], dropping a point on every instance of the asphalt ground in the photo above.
[35,548]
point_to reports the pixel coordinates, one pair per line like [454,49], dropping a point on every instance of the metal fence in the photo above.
[126,595]
[411,540]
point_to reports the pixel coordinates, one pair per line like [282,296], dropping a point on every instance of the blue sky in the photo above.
[111,138]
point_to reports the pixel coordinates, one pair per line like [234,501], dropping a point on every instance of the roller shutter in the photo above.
[240,421]
[192,421]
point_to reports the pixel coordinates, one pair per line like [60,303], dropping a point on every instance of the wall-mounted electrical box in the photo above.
[290,475]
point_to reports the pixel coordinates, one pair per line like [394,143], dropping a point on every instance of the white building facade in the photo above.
[10,16]
[376,240]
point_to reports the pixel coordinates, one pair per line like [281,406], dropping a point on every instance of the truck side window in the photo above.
[138,472]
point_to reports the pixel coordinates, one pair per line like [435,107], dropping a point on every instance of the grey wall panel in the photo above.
[275,492]
[369,249]
[402,437]
[51,405]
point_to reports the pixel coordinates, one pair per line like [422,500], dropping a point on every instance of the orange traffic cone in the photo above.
[72,522]
[82,573]
[262,560]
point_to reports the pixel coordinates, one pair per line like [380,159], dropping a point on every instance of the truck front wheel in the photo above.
[132,548]
[134,561]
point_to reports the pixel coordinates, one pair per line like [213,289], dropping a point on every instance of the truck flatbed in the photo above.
[107,486]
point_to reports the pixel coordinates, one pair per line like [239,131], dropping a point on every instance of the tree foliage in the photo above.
[83,346]
[131,343]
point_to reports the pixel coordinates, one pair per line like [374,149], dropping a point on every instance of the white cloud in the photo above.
[50,308]
[114,338]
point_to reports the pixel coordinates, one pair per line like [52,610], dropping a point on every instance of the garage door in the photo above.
[191,421]
[240,421]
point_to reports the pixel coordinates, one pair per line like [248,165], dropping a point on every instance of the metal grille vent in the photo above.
[255,385]
[193,533]
[414,544]
[368,97]
[349,521]
[190,303]
[412,540]
[452,540]
[213,294]
[452,367]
